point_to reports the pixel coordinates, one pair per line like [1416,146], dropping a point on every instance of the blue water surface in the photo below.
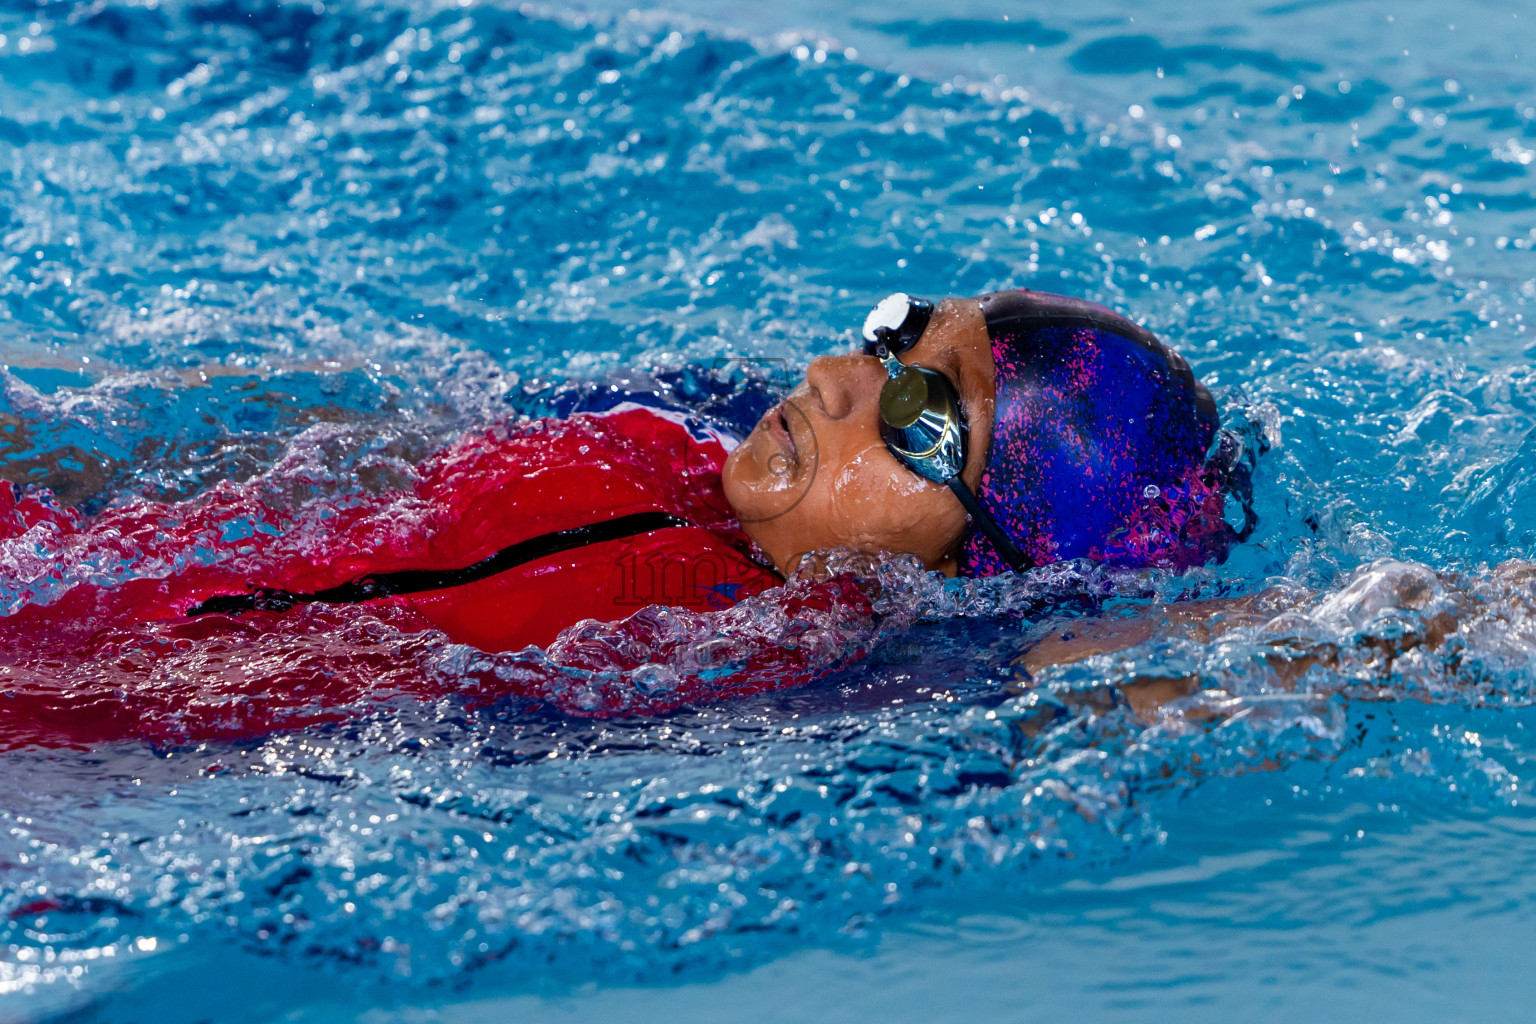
[239,237]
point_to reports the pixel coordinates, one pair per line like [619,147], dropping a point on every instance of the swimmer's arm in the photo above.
[1412,587]
[1072,640]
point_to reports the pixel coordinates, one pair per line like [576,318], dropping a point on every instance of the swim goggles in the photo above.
[921,418]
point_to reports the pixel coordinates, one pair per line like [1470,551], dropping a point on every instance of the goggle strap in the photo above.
[1016,559]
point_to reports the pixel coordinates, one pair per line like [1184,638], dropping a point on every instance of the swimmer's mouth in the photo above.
[778,428]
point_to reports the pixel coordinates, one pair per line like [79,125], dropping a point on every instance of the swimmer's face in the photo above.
[816,474]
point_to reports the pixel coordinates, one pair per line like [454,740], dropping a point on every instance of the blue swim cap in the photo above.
[1101,437]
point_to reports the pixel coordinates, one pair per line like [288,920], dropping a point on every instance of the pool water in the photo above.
[308,243]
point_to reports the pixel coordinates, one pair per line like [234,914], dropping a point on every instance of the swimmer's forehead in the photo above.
[957,325]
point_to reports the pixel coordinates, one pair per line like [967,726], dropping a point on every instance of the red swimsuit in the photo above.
[108,640]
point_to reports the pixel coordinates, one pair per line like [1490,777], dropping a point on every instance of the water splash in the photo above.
[312,248]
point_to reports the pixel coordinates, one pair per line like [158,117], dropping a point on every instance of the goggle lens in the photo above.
[904,398]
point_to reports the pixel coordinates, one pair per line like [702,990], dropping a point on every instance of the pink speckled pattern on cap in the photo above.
[1100,441]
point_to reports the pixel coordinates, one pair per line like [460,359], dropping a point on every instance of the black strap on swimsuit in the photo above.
[415,581]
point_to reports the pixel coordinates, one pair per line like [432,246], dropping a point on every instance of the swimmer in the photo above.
[980,435]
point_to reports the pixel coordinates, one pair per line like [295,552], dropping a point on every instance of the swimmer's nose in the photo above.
[847,385]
